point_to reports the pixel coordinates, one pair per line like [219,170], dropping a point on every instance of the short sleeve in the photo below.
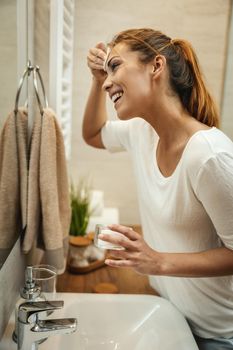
[116,135]
[214,188]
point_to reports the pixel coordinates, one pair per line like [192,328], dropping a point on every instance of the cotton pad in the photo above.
[106,59]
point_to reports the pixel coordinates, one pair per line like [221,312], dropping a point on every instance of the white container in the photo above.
[103,244]
[97,203]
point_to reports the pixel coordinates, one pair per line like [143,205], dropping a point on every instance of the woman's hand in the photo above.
[95,61]
[137,254]
[145,260]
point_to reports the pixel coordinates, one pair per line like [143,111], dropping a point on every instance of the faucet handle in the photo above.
[28,310]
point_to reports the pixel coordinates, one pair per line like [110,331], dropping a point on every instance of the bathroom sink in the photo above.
[117,322]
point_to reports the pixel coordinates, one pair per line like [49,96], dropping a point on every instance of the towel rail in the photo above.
[36,72]
[27,72]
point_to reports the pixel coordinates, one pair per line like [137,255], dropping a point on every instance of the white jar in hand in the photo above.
[106,245]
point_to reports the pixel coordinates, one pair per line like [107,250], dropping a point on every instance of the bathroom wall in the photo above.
[227,105]
[204,23]
[12,271]
[8,57]
[11,279]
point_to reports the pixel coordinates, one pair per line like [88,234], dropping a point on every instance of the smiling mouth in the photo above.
[115,97]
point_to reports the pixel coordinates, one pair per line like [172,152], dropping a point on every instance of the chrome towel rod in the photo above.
[36,72]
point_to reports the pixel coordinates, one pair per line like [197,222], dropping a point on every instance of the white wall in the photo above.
[204,23]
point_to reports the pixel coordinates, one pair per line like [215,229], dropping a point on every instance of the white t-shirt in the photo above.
[189,211]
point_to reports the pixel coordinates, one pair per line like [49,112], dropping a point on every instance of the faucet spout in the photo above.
[45,328]
[32,330]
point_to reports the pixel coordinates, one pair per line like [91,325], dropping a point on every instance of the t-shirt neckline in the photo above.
[189,142]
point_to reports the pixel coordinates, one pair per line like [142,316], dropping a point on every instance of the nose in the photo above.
[107,84]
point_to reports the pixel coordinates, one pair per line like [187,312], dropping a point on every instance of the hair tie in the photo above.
[166,45]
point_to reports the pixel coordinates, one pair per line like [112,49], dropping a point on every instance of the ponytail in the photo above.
[200,103]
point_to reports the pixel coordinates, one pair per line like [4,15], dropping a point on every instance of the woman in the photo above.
[184,170]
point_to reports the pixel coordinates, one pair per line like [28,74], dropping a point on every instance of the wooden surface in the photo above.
[126,280]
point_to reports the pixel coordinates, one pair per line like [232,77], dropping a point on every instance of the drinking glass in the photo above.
[45,277]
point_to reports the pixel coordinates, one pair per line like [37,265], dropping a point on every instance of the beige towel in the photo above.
[49,209]
[13,180]
[34,217]
[22,145]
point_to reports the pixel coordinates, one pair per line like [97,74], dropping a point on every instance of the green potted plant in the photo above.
[80,214]
[83,256]
[80,208]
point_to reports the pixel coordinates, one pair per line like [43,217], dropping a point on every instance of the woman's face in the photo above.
[128,82]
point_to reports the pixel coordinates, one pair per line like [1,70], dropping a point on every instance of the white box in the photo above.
[109,216]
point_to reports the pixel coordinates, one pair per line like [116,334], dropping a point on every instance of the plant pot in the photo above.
[83,256]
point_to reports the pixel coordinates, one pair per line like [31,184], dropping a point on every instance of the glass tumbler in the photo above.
[45,277]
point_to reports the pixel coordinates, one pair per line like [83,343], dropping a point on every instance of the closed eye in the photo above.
[113,65]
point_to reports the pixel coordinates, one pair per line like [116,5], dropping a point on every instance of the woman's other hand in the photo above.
[96,59]
[137,254]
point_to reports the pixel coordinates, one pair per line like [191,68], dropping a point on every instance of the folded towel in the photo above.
[13,180]
[49,211]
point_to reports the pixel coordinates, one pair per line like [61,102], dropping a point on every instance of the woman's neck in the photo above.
[172,122]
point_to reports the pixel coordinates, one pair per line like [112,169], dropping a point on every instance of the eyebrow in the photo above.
[109,62]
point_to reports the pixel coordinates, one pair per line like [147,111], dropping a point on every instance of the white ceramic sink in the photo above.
[117,322]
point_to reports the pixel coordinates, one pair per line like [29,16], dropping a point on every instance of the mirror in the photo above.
[174,20]
[192,20]
[10,214]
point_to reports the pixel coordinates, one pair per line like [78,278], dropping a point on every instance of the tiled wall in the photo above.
[204,23]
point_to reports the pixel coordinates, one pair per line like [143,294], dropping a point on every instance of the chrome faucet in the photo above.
[32,330]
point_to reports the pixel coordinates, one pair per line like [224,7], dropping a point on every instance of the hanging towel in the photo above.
[49,211]
[34,217]
[22,146]
[13,180]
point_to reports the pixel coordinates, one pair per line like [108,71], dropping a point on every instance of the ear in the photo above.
[158,65]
